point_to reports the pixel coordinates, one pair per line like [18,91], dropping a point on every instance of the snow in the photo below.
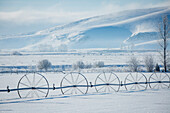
[69,58]
[151,101]
[156,101]
[73,32]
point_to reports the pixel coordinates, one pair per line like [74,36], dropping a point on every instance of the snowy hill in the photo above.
[105,31]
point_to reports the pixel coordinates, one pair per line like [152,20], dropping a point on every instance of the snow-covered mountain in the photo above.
[105,31]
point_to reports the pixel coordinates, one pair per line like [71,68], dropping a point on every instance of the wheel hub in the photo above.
[74,85]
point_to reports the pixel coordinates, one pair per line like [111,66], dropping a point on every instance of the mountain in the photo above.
[105,31]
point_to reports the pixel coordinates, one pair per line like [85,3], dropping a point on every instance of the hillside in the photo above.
[105,31]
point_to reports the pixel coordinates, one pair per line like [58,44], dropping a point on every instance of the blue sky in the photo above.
[21,16]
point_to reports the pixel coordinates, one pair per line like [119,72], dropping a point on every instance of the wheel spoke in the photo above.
[28,94]
[101,79]
[105,89]
[101,88]
[112,88]
[32,94]
[71,90]
[66,91]
[36,94]
[158,86]
[154,86]
[42,85]
[72,78]
[77,78]
[24,84]
[108,89]
[105,77]
[109,78]
[138,87]
[141,85]
[81,81]
[113,80]
[163,77]
[132,77]
[153,78]
[162,86]
[41,91]
[136,76]
[165,84]
[33,83]
[39,81]
[28,79]
[157,76]
[79,90]
[160,76]
[140,78]
[132,87]
[67,80]
[129,80]
[75,90]
[135,87]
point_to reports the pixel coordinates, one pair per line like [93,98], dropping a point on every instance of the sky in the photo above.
[23,16]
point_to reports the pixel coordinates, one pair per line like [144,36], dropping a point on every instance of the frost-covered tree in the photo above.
[44,64]
[16,53]
[79,65]
[99,64]
[149,63]
[163,42]
[133,64]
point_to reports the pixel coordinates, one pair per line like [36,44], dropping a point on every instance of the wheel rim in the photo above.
[107,82]
[33,85]
[157,81]
[74,84]
[135,82]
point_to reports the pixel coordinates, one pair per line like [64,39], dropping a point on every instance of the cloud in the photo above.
[27,16]
[113,7]
[58,15]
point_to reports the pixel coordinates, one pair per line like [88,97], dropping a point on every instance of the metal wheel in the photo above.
[135,82]
[107,82]
[33,85]
[159,81]
[74,83]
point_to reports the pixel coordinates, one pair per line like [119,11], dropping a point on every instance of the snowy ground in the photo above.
[151,101]
[109,58]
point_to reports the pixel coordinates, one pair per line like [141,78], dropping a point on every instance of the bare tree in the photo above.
[44,64]
[149,63]
[163,42]
[133,64]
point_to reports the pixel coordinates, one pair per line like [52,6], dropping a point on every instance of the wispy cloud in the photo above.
[58,15]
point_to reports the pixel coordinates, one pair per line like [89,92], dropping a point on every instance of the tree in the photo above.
[164,32]
[134,64]
[149,63]
[157,68]
[16,53]
[79,65]
[99,64]
[44,64]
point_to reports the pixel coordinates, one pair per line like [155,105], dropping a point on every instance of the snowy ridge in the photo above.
[69,34]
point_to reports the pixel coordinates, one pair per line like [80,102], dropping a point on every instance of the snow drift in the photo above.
[105,31]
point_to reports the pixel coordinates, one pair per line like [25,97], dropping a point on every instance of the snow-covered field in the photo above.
[150,101]
[109,58]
